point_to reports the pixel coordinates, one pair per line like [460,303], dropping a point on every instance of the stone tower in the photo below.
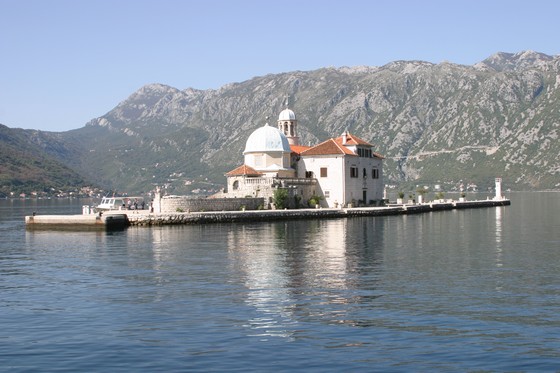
[287,123]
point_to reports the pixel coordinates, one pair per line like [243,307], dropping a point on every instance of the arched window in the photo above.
[236,185]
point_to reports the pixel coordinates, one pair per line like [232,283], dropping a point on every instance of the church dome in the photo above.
[287,114]
[267,139]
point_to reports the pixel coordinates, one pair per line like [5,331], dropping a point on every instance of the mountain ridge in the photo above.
[25,165]
[435,123]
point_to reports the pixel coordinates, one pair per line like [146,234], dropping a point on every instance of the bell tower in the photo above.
[287,123]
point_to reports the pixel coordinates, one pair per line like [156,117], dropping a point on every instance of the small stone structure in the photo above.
[172,204]
[264,188]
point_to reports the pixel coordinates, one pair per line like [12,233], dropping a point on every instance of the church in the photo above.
[339,172]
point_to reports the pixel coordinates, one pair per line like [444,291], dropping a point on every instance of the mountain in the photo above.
[436,123]
[26,167]
[515,61]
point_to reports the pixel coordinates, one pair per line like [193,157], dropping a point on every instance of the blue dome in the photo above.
[267,139]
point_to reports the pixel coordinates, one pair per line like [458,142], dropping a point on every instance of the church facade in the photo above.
[339,172]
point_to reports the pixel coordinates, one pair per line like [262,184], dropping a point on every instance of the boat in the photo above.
[120,203]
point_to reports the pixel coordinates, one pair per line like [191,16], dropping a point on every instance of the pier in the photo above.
[185,218]
[143,218]
[80,222]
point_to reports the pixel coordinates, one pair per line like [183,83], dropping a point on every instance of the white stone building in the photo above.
[340,171]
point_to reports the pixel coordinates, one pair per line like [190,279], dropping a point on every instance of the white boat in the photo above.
[120,203]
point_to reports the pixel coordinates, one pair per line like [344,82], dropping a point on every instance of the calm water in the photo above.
[473,290]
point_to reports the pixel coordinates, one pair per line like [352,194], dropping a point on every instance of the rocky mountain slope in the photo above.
[435,123]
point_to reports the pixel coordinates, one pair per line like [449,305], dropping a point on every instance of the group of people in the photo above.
[134,205]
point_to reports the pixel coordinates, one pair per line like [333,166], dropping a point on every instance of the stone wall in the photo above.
[170,204]
[174,218]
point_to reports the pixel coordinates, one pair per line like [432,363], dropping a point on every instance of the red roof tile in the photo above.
[355,140]
[327,148]
[334,146]
[352,140]
[298,149]
[244,170]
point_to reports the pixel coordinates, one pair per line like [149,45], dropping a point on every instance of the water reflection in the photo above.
[288,272]
[255,253]
[302,270]
[499,248]
[51,238]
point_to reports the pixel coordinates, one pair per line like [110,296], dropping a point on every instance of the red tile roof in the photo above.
[335,146]
[298,149]
[244,170]
[355,140]
[327,148]
[352,140]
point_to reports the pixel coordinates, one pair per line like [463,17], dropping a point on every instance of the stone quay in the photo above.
[144,218]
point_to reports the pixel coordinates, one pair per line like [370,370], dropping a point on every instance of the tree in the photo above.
[422,191]
[314,200]
[280,198]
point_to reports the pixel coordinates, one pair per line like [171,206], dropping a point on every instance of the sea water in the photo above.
[460,290]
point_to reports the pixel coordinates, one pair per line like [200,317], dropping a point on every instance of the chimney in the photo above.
[344,137]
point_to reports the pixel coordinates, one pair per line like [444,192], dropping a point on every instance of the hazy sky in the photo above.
[64,62]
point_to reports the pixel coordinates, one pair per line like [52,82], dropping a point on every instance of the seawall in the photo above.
[90,221]
[178,218]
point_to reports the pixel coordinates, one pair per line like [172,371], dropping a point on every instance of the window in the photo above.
[309,174]
[353,171]
[323,172]
[365,153]
[236,185]
[375,173]
[365,173]
[327,194]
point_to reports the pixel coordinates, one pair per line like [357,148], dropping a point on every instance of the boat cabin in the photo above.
[120,203]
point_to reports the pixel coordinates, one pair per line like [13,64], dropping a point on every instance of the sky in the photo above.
[65,62]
